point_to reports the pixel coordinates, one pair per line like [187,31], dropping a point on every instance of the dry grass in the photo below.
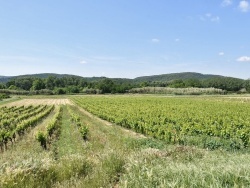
[27,102]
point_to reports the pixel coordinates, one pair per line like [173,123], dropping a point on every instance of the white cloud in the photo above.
[244,6]
[244,59]
[221,53]
[155,40]
[226,3]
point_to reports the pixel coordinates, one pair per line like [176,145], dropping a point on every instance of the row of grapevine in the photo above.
[172,119]
[83,129]
[52,130]
[15,111]
[9,130]
[13,119]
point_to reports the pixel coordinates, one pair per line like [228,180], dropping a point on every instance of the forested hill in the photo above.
[42,75]
[176,76]
[154,78]
[64,83]
[4,79]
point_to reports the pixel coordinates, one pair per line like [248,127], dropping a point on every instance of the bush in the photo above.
[4,96]
[42,138]
[84,131]
[59,91]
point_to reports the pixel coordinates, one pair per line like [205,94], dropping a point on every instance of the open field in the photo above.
[161,142]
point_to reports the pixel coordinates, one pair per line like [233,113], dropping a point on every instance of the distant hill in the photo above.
[153,78]
[44,75]
[176,76]
[5,79]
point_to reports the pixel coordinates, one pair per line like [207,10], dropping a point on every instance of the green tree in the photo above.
[50,82]
[38,84]
[193,83]
[177,84]
[2,86]
[106,85]
[247,85]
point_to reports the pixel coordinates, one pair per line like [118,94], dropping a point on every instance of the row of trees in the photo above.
[65,85]
[224,83]
[72,84]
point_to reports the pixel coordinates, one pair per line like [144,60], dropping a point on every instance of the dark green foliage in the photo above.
[84,131]
[4,96]
[2,86]
[38,84]
[247,85]
[225,83]
[42,138]
[59,91]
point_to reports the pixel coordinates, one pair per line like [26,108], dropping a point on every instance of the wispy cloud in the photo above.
[244,6]
[210,17]
[155,40]
[177,40]
[221,53]
[94,60]
[83,62]
[243,59]
[215,19]
[226,3]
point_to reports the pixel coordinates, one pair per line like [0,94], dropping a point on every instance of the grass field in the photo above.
[87,151]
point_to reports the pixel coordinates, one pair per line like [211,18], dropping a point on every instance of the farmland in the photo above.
[177,120]
[125,141]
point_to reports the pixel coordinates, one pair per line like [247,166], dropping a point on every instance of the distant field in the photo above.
[74,141]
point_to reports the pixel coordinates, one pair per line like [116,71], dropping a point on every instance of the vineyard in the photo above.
[210,122]
[160,142]
[15,121]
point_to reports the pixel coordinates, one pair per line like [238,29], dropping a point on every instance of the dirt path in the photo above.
[130,132]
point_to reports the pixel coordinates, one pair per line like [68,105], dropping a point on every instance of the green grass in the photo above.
[186,167]
[104,149]
[70,141]
[9,100]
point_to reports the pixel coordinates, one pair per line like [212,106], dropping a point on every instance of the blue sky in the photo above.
[125,38]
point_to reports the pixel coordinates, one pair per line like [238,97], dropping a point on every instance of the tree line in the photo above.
[71,84]
[63,85]
[225,83]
